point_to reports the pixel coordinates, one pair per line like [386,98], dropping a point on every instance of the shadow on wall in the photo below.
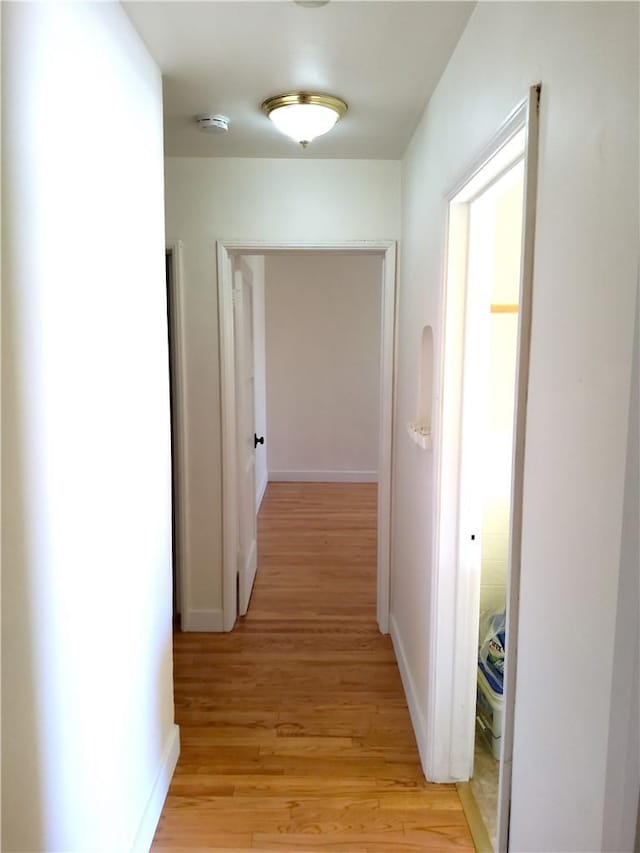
[622,804]
[22,704]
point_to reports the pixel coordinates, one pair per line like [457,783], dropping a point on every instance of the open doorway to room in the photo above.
[488,399]
[487,317]
[306,351]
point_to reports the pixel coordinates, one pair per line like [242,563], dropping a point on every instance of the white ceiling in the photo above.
[383,58]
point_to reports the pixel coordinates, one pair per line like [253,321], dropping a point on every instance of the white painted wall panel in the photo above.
[323,364]
[88,740]
[586,57]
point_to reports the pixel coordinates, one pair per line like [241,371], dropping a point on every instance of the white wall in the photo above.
[586,56]
[497,464]
[323,366]
[87,705]
[250,199]
[256,263]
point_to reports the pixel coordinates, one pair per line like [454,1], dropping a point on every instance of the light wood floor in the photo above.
[295,732]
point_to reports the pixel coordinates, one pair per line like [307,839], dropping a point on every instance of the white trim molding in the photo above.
[531,124]
[202,620]
[178,366]
[262,488]
[153,809]
[323,476]
[226,251]
[418,720]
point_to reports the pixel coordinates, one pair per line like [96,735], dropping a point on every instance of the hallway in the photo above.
[294,728]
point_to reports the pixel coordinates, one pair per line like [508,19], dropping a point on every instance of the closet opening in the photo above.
[480,442]
[488,400]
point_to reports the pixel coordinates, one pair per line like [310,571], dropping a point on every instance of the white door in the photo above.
[246,462]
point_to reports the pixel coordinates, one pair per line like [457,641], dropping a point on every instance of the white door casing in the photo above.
[179,427]
[531,125]
[245,426]
[227,252]
[473,410]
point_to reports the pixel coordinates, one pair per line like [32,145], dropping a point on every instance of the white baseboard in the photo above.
[262,488]
[202,620]
[323,476]
[153,809]
[417,717]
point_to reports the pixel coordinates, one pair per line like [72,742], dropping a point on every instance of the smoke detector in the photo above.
[213,123]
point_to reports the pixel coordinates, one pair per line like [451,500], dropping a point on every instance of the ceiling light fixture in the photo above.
[302,115]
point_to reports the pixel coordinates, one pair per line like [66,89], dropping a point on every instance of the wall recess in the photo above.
[420,428]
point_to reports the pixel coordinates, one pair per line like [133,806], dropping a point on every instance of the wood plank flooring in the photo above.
[294,728]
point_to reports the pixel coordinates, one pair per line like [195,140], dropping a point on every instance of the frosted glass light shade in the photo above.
[303,122]
[303,117]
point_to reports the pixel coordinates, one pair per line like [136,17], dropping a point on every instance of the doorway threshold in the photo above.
[473,817]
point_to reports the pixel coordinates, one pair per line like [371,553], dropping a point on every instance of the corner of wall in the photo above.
[153,809]
[418,719]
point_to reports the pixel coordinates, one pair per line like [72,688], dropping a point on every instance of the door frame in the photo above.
[453,647]
[226,251]
[245,584]
[177,366]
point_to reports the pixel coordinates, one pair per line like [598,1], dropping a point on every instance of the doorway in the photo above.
[231,272]
[486,453]
[480,464]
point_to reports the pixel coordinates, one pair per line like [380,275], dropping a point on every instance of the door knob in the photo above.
[257,441]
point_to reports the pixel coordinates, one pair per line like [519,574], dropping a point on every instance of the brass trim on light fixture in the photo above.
[290,98]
